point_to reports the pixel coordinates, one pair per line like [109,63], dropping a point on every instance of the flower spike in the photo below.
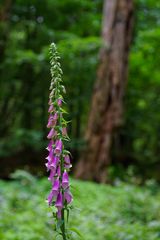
[58,163]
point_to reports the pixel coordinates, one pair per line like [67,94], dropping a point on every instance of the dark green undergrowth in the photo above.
[101,212]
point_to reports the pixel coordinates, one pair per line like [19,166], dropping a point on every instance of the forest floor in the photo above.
[101,212]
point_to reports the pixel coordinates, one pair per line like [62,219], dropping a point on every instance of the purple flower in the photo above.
[67,162]
[68,196]
[55,117]
[56,186]
[50,156]
[49,148]
[51,108]
[50,117]
[54,162]
[49,167]
[51,134]
[59,102]
[54,191]
[52,120]
[65,180]
[58,148]
[50,124]
[59,201]
[67,159]
[51,176]
[50,197]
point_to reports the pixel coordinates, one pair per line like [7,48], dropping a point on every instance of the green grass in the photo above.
[124,212]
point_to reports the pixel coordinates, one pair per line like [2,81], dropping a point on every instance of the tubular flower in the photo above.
[49,148]
[65,180]
[51,108]
[58,160]
[59,102]
[58,148]
[68,196]
[51,134]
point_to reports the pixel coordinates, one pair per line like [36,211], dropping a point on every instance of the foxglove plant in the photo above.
[58,160]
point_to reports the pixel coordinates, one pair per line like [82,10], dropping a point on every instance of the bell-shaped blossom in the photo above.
[67,159]
[59,102]
[67,162]
[49,167]
[50,156]
[54,162]
[52,120]
[68,196]
[50,117]
[54,192]
[50,123]
[59,201]
[58,148]
[55,188]
[51,108]
[51,134]
[65,180]
[55,117]
[50,198]
[49,148]
[51,176]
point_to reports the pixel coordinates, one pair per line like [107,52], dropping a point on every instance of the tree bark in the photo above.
[107,99]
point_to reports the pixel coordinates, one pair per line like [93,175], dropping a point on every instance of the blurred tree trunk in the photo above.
[107,101]
[5,113]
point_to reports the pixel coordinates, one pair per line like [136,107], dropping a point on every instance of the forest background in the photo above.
[27,28]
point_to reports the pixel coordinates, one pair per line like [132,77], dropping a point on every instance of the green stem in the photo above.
[63,226]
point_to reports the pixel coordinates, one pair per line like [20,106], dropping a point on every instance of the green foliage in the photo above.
[75,27]
[101,212]
[24,67]
[144,97]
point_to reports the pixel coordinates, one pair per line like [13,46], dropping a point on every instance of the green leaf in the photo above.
[75,230]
